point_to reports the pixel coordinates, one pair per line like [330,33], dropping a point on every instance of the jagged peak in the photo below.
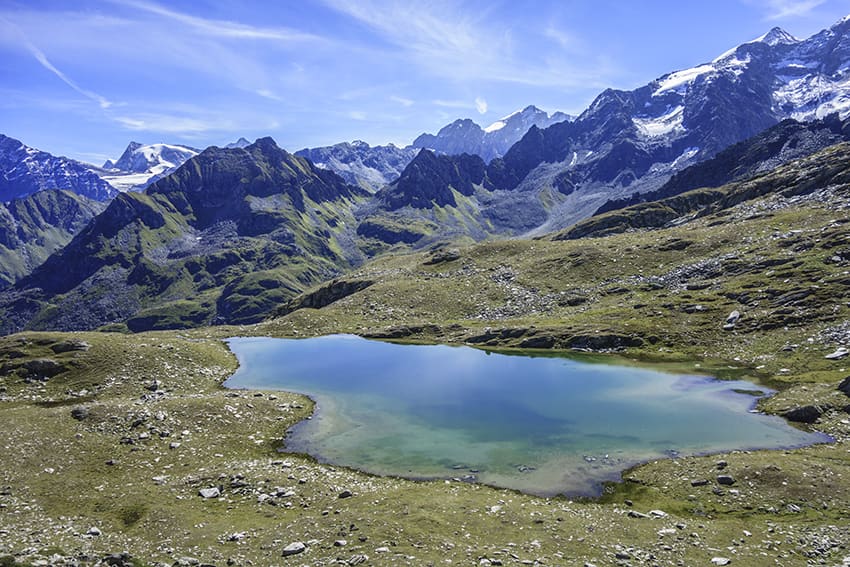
[777,36]
[265,143]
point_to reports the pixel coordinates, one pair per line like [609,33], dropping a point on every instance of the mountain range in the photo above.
[142,164]
[466,137]
[234,232]
[25,170]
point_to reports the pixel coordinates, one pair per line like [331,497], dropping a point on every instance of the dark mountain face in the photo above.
[787,141]
[429,179]
[633,141]
[34,227]
[25,170]
[226,238]
[360,164]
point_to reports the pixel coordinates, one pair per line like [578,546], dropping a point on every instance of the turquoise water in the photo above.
[544,425]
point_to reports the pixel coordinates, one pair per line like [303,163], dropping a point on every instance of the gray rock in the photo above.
[154,386]
[804,414]
[725,480]
[294,548]
[440,256]
[837,354]
[721,465]
[94,531]
[80,413]
[732,320]
[721,560]
[358,559]
[699,482]
[340,543]
[346,494]
[844,386]
[70,346]
[634,514]
[213,492]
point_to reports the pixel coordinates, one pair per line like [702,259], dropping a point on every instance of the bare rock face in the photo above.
[804,414]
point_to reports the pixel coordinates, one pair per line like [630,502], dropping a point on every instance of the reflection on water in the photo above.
[544,425]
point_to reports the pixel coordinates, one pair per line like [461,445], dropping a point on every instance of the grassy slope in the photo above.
[779,261]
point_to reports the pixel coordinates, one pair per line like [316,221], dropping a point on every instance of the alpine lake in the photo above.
[544,424]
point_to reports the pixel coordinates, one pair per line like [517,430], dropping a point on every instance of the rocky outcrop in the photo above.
[325,295]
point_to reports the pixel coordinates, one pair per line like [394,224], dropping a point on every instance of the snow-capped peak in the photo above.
[776,36]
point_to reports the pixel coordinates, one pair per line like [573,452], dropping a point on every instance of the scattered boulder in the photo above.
[294,548]
[340,543]
[804,414]
[346,494]
[70,346]
[80,413]
[119,560]
[639,515]
[844,386]
[721,560]
[213,492]
[42,368]
[154,386]
[732,320]
[725,480]
[441,256]
[542,341]
[358,559]
[94,532]
[699,482]
[839,353]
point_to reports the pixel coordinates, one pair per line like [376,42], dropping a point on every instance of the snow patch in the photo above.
[662,125]
[674,81]
[498,125]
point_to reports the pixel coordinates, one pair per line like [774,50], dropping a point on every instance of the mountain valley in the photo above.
[699,225]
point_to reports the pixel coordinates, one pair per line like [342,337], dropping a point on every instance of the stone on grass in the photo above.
[346,494]
[721,560]
[725,479]
[839,353]
[294,548]
[213,492]
[844,386]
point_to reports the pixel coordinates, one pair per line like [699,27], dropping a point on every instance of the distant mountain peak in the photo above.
[777,36]
[240,143]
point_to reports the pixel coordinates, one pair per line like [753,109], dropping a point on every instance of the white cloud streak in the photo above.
[481,105]
[221,28]
[449,41]
[779,9]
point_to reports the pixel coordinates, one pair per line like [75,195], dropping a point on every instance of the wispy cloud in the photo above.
[481,105]
[357,115]
[39,56]
[406,102]
[779,9]
[453,41]
[221,28]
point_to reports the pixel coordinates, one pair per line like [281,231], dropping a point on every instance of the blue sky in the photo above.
[84,78]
